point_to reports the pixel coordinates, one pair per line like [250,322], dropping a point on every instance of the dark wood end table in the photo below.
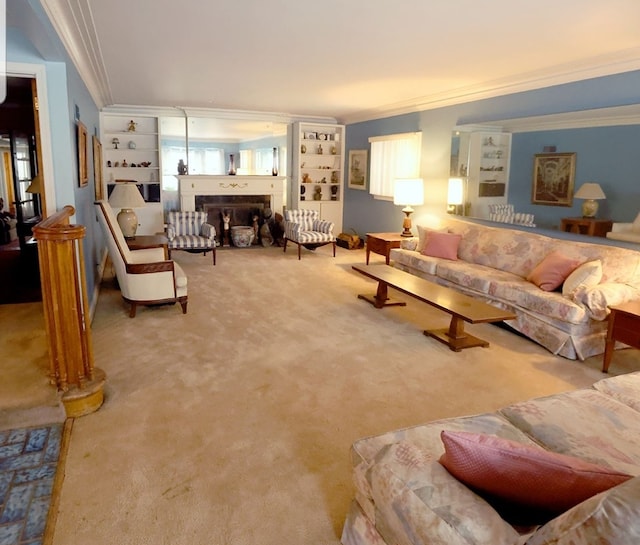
[592,227]
[141,242]
[624,326]
[382,243]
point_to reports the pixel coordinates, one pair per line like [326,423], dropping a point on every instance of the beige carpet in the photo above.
[232,424]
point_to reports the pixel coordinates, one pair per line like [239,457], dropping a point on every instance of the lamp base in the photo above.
[128,222]
[589,208]
[406,223]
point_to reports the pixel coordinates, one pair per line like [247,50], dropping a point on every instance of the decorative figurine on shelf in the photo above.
[303,149]
[115,143]
[256,229]
[131,144]
[124,163]
[334,176]
[334,150]
[303,190]
[182,168]
[334,192]
[306,179]
[132,126]
[320,149]
[317,193]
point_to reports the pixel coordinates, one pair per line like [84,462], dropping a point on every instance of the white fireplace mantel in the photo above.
[192,185]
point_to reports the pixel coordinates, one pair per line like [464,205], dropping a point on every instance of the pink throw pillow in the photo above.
[523,474]
[444,245]
[552,271]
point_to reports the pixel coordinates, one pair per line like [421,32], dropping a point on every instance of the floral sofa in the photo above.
[496,264]
[404,495]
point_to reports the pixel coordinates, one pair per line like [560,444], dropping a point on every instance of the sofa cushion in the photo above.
[586,424]
[609,518]
[443,245]
[527,475]
[471,275]
[624,388]
[552,271]
[585,276]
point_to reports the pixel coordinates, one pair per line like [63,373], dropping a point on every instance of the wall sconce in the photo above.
[592,193]
[455,196]
[408,192]
[126,195]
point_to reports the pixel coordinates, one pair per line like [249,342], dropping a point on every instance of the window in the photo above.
[263,161]
[393,156]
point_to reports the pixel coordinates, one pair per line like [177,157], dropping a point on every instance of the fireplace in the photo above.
[241,196]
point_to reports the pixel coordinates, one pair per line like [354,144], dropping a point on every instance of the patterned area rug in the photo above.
[29,458]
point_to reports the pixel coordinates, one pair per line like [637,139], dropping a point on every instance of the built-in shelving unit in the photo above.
[130,146]
[317,179]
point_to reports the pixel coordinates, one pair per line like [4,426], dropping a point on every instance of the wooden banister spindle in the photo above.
[66,313]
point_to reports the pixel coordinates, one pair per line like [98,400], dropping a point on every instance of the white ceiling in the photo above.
[346,59]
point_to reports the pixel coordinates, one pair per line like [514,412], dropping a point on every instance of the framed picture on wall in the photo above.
[358,169]
[97,167]
[83,169]
[553,178]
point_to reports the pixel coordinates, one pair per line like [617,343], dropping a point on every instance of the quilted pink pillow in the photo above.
[443,245]
[552,271]
[523,474]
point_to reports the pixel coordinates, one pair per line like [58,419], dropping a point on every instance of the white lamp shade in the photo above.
[408,191]
[590,190]
[455,193]
[126,195]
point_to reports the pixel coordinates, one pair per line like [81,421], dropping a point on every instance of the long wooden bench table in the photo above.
[461,307]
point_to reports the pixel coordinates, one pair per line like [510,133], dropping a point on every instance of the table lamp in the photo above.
[592,193]
[126,195]
[408,192]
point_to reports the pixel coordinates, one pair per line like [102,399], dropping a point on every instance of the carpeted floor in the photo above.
[232,424]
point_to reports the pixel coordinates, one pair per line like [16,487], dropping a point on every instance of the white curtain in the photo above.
[393,156]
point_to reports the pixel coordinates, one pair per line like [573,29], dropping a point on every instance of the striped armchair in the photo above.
[190,231]
[305,228]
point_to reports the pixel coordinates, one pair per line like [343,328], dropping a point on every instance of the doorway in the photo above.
[20,193]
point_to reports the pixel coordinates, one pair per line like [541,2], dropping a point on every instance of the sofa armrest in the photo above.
[621,227]
[599,298]
[146,255]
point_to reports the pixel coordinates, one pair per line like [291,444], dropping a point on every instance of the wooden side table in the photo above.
[592,227]
[141,242]
[382,243]
[624,326]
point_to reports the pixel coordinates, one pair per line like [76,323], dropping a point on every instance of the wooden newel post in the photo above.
[66,313]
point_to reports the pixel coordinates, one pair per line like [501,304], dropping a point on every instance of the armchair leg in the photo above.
[334,248]
[213,250]
[183,304]
[285,245]
[132,310]
[299,249]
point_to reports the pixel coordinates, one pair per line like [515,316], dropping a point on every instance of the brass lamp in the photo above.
[126,195]
[408,192]
[592,193]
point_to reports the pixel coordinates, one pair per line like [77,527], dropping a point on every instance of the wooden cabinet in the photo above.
[317,175]
[130,146]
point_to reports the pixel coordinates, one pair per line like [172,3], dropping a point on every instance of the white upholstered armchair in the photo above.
[305,228]
[189,230]
[146,277]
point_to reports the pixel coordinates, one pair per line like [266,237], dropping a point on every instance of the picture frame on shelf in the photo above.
[553,178]
[97,167]
[83,170]
[358,169]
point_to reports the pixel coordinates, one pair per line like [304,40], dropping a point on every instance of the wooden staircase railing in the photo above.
[66,313]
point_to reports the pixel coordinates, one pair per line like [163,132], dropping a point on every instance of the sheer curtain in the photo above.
[393,156]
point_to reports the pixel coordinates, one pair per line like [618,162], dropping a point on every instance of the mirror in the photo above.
[215,146]
[604,141]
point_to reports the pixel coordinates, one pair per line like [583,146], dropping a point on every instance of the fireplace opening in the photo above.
[241,209]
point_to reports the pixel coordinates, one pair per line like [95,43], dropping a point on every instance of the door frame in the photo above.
[38,72]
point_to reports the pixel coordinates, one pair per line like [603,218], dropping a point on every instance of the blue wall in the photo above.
[65,91]
[604,155]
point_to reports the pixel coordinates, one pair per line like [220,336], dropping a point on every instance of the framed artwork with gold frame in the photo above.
[83,168]
[97,167]
[553,178]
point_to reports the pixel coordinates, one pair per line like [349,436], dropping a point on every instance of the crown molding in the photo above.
[73,22]
[602,65]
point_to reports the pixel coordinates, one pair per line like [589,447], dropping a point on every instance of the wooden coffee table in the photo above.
[461,307]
